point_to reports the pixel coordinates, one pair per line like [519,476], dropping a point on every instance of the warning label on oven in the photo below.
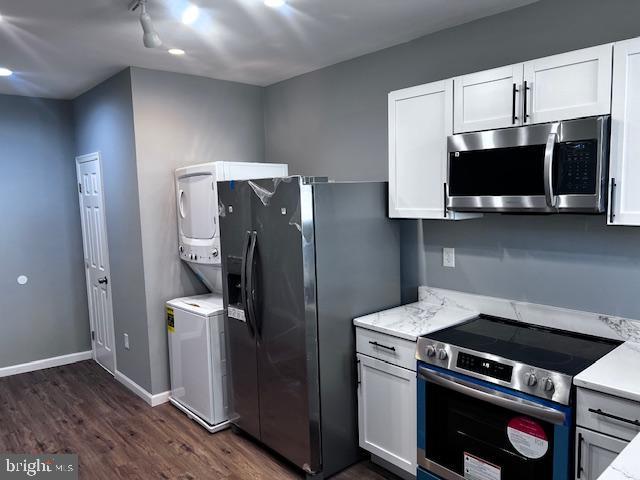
[527,437]
[477,469]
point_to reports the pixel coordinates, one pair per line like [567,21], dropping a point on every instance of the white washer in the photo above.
[198,360]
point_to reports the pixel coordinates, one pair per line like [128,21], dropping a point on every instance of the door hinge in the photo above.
[79,187]
[93,335]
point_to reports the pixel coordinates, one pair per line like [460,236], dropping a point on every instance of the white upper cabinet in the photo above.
[624,182]
[570,85]
[561,87]
[488,100]
[420,120]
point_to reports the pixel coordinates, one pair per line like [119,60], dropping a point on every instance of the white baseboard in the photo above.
[160,398]
[152,400]
[45,363]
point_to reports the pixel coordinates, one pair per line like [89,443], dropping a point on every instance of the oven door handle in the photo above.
[494,397]
[551,198]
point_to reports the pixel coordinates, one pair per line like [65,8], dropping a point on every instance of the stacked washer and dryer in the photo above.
[195,325]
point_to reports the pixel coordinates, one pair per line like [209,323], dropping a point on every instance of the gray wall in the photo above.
[104,123]
[182,120]
[41,235]
[334,122]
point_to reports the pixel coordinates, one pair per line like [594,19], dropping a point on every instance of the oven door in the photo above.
[470,429]
[543,168]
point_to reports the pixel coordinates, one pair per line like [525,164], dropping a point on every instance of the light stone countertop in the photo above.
[414,319]
[617,373]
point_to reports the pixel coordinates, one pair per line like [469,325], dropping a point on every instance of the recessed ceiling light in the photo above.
[5,72]
[190,14]
[274,3]
[176,51]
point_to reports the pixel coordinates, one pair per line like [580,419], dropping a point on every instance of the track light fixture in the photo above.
[150,37]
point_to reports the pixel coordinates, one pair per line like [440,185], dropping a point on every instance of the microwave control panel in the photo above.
[577,168]
[484,366]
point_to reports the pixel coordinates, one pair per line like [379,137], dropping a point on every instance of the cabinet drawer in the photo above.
[396,351]
[607,414]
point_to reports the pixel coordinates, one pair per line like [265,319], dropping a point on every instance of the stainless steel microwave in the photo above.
[548,168]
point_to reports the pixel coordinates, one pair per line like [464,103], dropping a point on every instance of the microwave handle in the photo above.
[548,166]
[495,397]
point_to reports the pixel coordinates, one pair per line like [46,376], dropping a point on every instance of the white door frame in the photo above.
[80,160]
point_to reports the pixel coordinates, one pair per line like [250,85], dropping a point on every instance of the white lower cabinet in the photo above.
[595,452]
[387,411]
[605,425]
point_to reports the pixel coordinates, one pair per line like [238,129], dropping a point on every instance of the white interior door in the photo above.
[96,259]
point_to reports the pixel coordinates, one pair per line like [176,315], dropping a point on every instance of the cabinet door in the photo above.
[419,123]
[570,85]
[420,120]
[594,453]
[387,412]
[624,184]
[487,100]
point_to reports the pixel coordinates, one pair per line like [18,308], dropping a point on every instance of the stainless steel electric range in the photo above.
[495,399]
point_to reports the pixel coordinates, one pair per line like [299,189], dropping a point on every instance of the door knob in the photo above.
[103,280]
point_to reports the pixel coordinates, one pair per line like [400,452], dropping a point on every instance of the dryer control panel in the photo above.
[208,254]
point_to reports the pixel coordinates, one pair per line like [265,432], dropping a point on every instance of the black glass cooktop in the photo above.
[551,349]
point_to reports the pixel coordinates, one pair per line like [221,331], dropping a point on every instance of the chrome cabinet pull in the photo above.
[615,417]
[376,344]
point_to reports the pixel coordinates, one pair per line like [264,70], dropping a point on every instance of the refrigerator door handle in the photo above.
[243,282]
[251,290]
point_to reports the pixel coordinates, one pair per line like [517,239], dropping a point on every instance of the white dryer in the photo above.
[197,359]
[197,208]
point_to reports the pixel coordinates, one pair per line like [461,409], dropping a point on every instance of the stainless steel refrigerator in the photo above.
[301,258]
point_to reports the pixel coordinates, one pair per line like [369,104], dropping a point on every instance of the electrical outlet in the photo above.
[449,257]
[126,341]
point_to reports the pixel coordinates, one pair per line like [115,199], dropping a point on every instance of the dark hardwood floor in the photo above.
[81,409]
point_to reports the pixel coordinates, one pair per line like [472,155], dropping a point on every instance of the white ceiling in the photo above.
[60,48]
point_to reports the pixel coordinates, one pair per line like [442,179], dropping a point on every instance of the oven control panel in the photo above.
[528,379]
[484,366]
